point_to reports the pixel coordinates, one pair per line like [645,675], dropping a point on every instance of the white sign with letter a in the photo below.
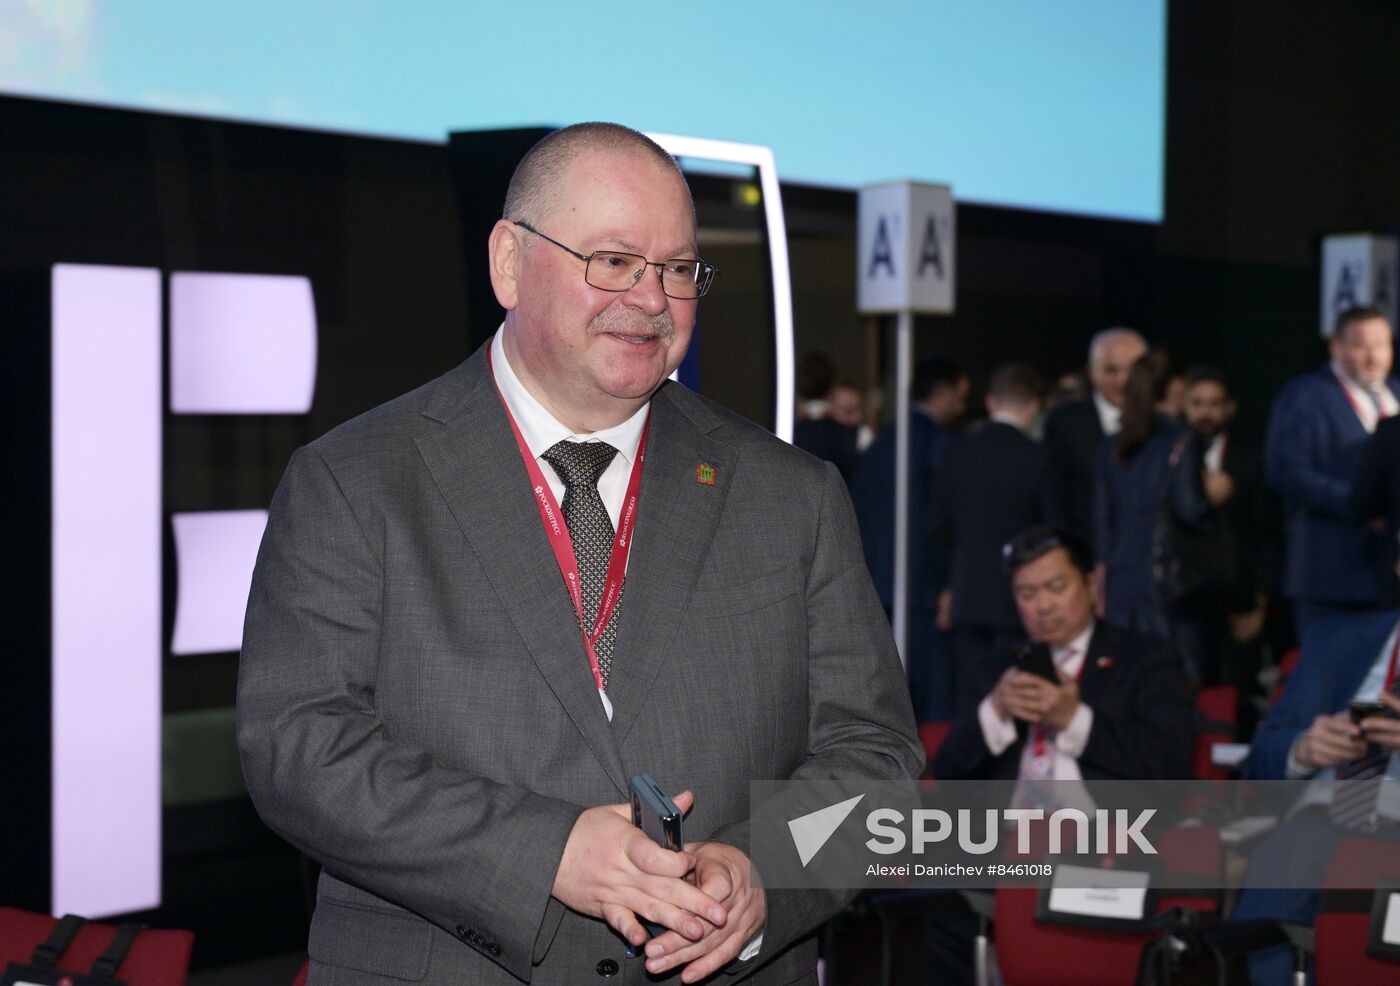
[905,250]
[1358,269]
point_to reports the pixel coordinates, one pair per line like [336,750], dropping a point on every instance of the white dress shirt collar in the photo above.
[543,430]
[1361,398]
[1070,657]
[1110,417]
[1002,417]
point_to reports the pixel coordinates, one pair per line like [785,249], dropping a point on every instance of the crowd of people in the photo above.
[1154,551]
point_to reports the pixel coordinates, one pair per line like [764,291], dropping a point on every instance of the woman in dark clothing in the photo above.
[1150,469]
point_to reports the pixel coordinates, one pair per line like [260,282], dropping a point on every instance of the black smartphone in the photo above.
[656,814]
[1035,659]
[1367,710]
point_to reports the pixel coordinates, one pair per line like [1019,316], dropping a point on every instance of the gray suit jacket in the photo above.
[416,711]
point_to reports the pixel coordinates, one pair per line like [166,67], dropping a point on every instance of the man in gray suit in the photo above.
[443,691]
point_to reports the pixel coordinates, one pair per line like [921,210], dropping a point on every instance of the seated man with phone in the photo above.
[1338,719]
[1084,700]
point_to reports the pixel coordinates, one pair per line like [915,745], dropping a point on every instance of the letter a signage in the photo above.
[1358,269]
[906,249]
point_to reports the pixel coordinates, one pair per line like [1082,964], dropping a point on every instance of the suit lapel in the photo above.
[1100,665]
[476,464]
[677,515]
[1343,410]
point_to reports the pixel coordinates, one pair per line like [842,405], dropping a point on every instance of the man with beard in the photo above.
[444,690]
[1317,433]
[1232,621]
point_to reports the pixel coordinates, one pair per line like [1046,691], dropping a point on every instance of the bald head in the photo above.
[533,192]
[1112,353]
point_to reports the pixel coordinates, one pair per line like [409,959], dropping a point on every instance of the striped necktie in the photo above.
[1357,789]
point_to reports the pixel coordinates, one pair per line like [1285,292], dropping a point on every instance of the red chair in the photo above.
[1217,721]
[157,958]
[1037,953]
[932,734]
[1344,914]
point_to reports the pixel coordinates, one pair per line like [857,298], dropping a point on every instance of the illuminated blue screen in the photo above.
[1029,103]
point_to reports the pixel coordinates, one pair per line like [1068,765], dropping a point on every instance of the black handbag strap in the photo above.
[105,967]
[47,953]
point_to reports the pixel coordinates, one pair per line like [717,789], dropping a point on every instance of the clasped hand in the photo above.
[1029,697]
[612,870]
[1335,739]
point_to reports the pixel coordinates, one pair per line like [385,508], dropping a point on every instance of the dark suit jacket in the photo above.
[1337,654]
[1143,717]
[1376,492]
[1072,436]
[416,712]
[872,493]
[1253,521]
[830,440]
[1313,452]
[992,486]
[1130,501]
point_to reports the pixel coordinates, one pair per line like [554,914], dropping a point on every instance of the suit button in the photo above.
[494,949]
[607,967]
[461,932]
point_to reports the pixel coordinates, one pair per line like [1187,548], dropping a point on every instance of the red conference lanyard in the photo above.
[563,545]
[1381,413]
[1038,734]
[1390,671]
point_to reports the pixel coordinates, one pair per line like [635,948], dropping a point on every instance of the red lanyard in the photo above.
[1038,733]
[1390,671]
[1380,411]
[563,545]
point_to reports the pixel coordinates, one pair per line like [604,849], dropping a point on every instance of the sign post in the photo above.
[905,257]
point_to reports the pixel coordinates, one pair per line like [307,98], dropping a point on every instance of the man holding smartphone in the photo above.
[479,609]
[1338,719]
[1085,700]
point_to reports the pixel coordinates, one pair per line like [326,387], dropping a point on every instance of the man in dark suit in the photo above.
[991,488]
[1317,432]
[938,398]
[1121,708]
[1231,622]
[1074,430]
[1375,496]
[820,428]
[1310,734]
[444,689]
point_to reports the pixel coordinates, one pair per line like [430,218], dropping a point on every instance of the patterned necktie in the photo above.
[579,464]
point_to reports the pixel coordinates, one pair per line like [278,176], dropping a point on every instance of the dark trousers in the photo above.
[1299,849]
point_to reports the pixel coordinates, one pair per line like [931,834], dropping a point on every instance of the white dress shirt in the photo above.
[1110,417]
[1364,402]
[541,431]
[1214,457]
[1069,742]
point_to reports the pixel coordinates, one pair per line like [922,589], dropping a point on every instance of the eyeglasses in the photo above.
[607,270]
